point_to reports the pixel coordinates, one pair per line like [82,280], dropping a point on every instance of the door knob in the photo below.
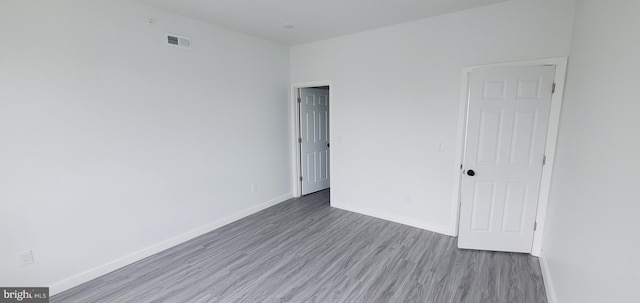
[471,173]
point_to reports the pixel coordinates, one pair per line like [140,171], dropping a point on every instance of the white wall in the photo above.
[396,97]
[112,141]
[591,240]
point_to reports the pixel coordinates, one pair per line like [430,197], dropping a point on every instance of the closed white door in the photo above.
[507,120]
[314,138]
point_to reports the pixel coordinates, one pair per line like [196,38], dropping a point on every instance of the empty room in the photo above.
[319,151]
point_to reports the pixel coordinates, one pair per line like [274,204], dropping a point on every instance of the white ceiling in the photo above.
[313,20]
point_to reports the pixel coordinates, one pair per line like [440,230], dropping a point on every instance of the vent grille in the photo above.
[172,40]
[179,41]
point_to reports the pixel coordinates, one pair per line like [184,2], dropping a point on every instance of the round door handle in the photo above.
[471,173]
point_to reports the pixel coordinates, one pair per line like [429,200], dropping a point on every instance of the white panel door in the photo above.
[314,135]
[507,121]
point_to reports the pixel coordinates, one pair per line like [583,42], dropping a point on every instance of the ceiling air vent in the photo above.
[178,40]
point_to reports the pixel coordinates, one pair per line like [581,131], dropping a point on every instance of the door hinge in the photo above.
[300,178]
[299,140]
[553,88]
[535,226]
[460,166]
[299,100]
[544,160]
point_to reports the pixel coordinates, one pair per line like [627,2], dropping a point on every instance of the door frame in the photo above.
[550,147]
[296,166]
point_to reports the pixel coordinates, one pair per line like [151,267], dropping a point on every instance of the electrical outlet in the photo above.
[440,147]
[25,258]
[254,188]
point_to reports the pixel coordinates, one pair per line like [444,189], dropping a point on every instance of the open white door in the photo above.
[314,138]
[508,114]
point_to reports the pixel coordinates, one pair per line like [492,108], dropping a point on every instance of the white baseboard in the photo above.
[445,230]
[103,269]
[546,278]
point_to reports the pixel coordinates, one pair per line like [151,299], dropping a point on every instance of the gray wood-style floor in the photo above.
[303,250]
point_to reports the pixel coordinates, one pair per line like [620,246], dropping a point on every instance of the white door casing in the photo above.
[314,135]
[507,120]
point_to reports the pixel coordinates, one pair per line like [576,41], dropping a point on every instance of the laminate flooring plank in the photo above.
[302,250]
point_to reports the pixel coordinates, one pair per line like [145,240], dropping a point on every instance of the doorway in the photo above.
[311,114]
